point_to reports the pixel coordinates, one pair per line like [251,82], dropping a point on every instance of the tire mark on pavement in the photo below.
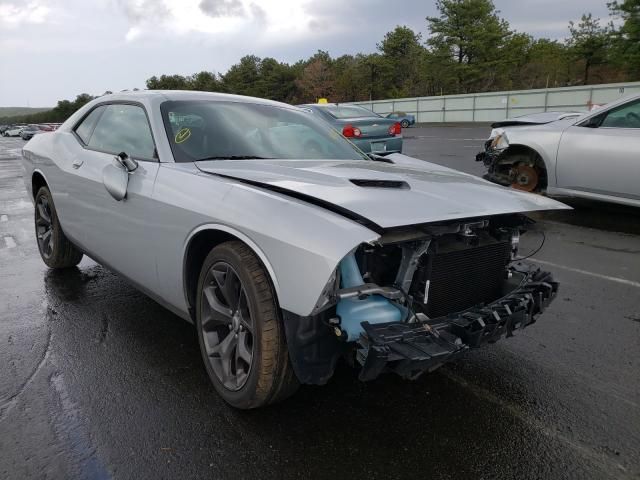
[8,405]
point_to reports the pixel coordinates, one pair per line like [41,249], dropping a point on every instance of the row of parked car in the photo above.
[27,132]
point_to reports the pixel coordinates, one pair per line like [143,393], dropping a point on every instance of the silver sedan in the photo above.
[595,155]
[283,243]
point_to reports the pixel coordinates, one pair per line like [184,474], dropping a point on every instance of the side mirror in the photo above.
[115,176]
[115,180]
[128,163]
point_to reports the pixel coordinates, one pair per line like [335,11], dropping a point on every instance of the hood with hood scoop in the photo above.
[405,192]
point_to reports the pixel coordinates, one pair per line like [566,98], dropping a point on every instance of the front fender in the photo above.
[543,141]
[302,243]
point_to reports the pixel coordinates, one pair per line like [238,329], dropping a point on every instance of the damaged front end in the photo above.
[419,297]
[511,165]
[493,157]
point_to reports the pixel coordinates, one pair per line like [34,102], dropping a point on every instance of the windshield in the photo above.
[349,111]
[211,130]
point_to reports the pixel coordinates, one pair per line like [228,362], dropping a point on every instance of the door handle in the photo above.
[77,164]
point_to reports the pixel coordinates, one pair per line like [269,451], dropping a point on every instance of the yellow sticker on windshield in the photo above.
[182,135]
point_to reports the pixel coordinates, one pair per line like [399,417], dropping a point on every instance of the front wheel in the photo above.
[240,332]
[55,248]
[525,178]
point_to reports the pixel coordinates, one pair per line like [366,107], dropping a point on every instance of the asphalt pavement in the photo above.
[98,381]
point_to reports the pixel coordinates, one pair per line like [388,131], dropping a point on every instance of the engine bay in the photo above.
[421,296]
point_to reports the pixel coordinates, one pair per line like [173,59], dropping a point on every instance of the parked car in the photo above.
[405,119]
[14,131]
[285,258]
[29,131]
[593,155]
[370,132]
[3,128]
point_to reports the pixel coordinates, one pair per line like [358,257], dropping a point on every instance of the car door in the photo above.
[602,154]
[117,233]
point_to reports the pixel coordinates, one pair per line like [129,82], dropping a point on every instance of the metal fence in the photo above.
[487,107]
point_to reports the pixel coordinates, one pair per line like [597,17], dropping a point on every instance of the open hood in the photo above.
[405,192]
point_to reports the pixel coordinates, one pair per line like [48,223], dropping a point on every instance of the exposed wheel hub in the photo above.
[525,178]
[235,322]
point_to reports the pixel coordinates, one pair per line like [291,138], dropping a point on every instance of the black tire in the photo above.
[404,123]
[58,252]
[268,377]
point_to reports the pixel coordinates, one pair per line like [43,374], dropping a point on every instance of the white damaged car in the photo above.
[282,242]
[592,155]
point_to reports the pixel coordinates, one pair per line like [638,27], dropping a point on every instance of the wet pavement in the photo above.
[98,381]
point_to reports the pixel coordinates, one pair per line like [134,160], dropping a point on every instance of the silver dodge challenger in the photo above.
[287,246]
[593,155]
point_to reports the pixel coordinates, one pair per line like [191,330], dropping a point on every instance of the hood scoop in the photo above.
[369,183]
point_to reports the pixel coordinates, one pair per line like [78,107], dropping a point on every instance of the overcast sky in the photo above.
[55,49]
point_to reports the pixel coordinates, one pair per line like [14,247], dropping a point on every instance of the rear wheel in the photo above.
[55,248]
[405,123]
[241,335]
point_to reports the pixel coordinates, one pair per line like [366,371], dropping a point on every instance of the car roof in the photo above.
[325,105]
[175,95]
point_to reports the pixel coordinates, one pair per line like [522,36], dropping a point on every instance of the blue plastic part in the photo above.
[352,311]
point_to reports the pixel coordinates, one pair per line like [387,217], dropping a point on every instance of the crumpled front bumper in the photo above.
[490,158]
[410,349]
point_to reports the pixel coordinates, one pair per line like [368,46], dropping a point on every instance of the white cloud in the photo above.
[266,19]
[54,49]
[15,14]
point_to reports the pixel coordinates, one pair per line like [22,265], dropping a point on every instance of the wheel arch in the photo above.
[523,149]
[38,181]
[197,247]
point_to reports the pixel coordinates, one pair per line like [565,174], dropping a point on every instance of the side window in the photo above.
[625,116]
[123,128]
[85,129]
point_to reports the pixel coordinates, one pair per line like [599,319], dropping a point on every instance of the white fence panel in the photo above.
[488,107]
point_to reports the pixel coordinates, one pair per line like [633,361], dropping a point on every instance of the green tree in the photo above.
[348,85]
[626,40]
[404,55]
[242,77]
[588,43]
[317,78]
[168,82]
[548,65]
[276,81]
[204,81]
[468,33]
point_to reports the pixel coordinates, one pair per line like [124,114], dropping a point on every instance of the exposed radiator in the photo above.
[462,278]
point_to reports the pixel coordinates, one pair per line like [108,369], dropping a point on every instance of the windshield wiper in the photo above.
[233,157]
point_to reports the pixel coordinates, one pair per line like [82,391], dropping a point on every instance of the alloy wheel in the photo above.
[227,326]
[44,226]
